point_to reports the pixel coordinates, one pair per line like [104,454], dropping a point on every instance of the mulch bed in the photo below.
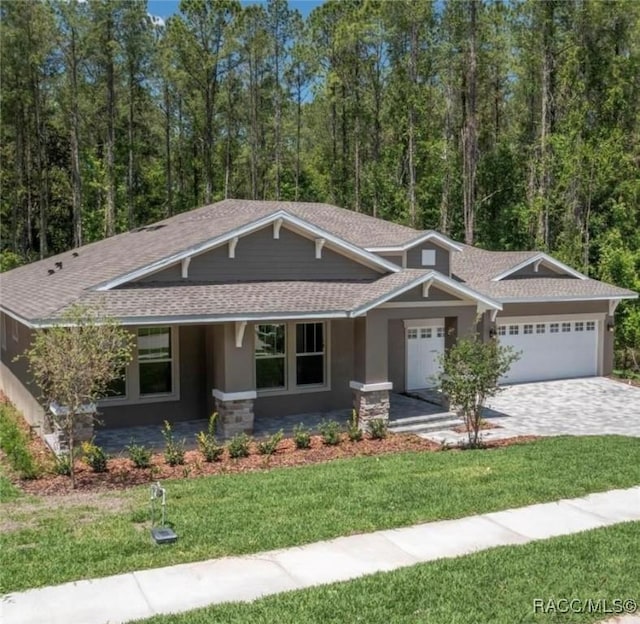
[484,425]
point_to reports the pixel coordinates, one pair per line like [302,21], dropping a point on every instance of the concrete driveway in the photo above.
[589,406]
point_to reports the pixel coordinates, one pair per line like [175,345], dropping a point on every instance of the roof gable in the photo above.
[536,261]
[431,236]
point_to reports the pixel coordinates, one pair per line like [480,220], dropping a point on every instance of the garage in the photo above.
[425,344]
[550,348]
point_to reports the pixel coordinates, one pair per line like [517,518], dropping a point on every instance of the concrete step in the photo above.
[440,425]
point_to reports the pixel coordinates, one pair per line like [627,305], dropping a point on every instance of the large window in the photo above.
[309,354]
[290,357]
[271,356]
[155,360]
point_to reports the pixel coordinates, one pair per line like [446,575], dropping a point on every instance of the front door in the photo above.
[425,345]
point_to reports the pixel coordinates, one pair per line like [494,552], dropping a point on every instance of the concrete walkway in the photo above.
[184,587]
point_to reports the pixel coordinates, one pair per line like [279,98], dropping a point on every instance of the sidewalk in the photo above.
[183,587]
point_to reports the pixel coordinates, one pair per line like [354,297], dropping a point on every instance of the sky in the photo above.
[165,8]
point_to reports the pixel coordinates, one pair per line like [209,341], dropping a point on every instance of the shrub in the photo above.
[353,427]
[94,456]
[269,446]
[207,443]
[15,443]
[139,454]
[239,446]
[301,437]
[63,465]
[378,428]
[174,449]
[330,432]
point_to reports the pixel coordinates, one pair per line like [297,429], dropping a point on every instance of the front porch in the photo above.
[402,409]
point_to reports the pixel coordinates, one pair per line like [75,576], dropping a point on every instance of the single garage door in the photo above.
[551,350]
[424,346]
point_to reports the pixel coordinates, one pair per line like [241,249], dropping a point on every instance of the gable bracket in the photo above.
[232,247]
[185,267]
[425,288]
[277,224]
[319,245]
[536,264]
[240,327]
[613,304]
[494,315]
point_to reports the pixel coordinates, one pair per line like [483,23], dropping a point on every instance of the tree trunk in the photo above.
[74,144]
[167,150]
[298,133]
[411,123]
[130,140]
[110,208]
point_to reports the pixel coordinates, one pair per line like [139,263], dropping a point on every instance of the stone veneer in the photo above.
[370,405]
[234,417]
[82,431]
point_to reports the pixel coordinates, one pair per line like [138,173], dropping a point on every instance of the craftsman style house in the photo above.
[274,308]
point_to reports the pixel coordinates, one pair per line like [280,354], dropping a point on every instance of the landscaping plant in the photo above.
[15,444]
[174,449]
[301,437]
[330,432]
[353,427]
[239,446]
[139,454]
[207,443]
[378,428]
[95,456]
[269,446]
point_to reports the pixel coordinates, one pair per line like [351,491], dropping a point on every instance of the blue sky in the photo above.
[165,8]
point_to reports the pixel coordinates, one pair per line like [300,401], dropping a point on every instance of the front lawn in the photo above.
[57,539]
[497,586]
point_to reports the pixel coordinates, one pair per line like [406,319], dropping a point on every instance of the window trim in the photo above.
[290,386]
[132,374]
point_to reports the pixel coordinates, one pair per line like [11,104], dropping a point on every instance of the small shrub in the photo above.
[301,437]
[15,443]
[353,428]
[174,449]
[378,428]
[239,446]
[139,454]
[330,432]
[94,456]
[207,443]
[62,465]
[269,446]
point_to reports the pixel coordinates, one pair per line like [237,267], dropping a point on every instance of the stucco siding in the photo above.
[414,258]
[259,256]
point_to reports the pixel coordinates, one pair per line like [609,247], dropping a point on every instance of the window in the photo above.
[117,388]
[428,257]
[554,328]
[541,328]
[440,332]
[502,330]
[271,356]
[566,327]
[528,329]
[579,326]
[412,334]
[309,354]
[591,326]
[425,332]
[514,330]
[155,360]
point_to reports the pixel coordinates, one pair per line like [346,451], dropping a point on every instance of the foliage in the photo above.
[238,446]
[470,374]
[94,456]
[301,437]
[139,454]
[174,450]
[207,443]
[330,432]
[270,445]
[63,465]
[353,427]
[15,444]
[378,428]
[73,363]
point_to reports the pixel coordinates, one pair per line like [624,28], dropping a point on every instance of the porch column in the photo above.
[371,386]
[233,386]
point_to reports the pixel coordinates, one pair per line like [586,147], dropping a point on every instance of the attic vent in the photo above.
[149,228]
[75,254]
[58,265]
[50,272]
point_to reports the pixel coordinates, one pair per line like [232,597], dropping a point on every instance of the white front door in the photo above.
[424,346]
[551,349]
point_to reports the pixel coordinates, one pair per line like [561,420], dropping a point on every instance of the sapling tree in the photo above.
[74,362]
[470,374]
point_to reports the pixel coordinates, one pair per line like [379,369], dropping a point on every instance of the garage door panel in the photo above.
[424,347]
[551,350]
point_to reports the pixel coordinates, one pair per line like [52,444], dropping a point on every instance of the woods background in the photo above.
[506,124]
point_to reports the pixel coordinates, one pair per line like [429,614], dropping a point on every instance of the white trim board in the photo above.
[371,387]
[233,396]
[537,259]
[431,235]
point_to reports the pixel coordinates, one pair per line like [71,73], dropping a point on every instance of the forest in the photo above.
[508,124]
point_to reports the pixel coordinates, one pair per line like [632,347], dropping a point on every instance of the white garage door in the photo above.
[551,350]
[424,345]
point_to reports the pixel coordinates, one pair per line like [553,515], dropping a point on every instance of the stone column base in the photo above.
[82,431]
[371,402]
[235,412]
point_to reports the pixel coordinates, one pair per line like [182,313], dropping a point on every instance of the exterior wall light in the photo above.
[610,326]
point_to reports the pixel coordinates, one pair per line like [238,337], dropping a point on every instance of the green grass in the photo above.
[8,491]
[245,513]
[497,586]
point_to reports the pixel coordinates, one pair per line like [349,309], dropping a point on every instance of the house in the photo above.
[275,308]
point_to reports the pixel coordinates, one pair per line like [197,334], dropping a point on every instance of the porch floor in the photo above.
[114,441]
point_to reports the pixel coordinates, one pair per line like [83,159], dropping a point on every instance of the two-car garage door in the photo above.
[550,349]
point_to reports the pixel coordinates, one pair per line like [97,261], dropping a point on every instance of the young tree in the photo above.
[73,364]
[471,371]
